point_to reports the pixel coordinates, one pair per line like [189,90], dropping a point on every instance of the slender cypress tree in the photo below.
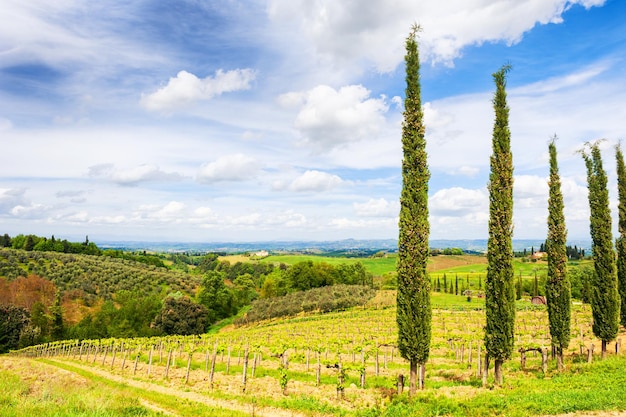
[621,241]
[605,301]
[499,284]
[558,288]
[413,299]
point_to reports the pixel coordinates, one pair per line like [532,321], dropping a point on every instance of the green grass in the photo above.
[377,266]
[583,387]
[26,390]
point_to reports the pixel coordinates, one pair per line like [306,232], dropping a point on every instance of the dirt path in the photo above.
[180,393]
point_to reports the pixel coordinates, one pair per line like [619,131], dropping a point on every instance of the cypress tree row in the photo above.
[621,240]
[558,289]
[413,299]
[499,285]
[605,301]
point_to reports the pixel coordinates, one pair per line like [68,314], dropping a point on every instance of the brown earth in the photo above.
[437,263]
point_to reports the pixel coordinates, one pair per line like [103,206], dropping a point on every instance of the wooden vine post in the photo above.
[245,369]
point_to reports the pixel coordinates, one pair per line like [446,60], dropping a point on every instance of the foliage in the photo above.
[96,276]
[621,240]
[43,244]
[413,297]
[182,316]
[129,316]
[605,301]
[13,320]
[326,299]
[141,257]
[27,291]
[499,285]
[57,326]
[216,297]
[558,292]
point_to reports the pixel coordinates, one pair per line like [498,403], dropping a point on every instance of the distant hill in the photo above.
[344,246]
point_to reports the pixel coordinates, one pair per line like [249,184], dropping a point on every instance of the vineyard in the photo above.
[342,363]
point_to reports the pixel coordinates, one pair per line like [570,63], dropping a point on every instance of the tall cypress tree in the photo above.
[605,301]
[499,284]
[413,299]
[558,289]
[621,240]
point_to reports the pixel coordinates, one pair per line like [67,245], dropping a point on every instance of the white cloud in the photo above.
[569,80]
[32,211]
[328,118]
[132,176]
[237,167]
[315,181]
[530,191]
[11,197]
[352,31]
[457,200]
[187,88]
[379,207]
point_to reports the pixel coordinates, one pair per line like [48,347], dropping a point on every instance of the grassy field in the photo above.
[362,339]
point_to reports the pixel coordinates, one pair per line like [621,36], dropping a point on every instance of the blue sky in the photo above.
[281,119]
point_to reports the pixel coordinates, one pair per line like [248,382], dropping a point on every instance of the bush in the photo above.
[324,300]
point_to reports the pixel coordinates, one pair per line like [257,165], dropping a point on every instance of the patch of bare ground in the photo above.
[437,263]
[197,389]
[38,377]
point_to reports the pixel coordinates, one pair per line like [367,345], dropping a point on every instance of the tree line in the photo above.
[607,287]
[98,297]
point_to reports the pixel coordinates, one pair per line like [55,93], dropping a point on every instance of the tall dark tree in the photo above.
[499,285]
[413,300]
[13,320]
[57,326]
[621,240]
[181,316]
[558,288]
[605,301]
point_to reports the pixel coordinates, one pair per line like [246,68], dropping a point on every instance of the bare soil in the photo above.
[437,263]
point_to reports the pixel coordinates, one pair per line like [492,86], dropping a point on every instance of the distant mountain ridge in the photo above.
[391,245]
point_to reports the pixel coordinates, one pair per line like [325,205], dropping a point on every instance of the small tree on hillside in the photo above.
[413,297]
[558,289]
[499,285]
[605,301]
[621,240]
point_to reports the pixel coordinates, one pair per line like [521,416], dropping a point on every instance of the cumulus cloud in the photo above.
[187,88]
[315,181]
[134,175]
[328,117]
[530,191]
[457,200]
[348,31]
[237,167]
[31,211]
[11,197]
[377,208]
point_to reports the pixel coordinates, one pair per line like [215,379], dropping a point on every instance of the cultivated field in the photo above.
[336,364]
[333,364]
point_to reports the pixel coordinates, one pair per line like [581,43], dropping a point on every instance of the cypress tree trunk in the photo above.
[605,303]
[558,288]
[621,241]
[499,284]
[413,296]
